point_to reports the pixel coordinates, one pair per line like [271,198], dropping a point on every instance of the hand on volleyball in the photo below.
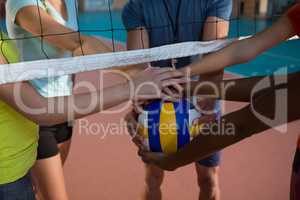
[160,160]
[152,82]
[206,107]
[168,162]
[157,159]
[132,128]
[131,123]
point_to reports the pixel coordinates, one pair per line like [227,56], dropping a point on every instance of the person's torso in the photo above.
[169,22]
[34,48]
[189,17]
[18,144]
[18,135]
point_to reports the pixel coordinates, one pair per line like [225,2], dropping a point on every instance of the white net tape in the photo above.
[25,71]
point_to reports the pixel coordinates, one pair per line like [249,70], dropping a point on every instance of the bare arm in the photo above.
[214,28]
[38,22]
[239,52]
[244,50]
[146,85]
[28,102]
[137,39]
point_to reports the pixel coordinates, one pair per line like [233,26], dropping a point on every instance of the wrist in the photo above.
[128,89]
[173,161]
[186,71]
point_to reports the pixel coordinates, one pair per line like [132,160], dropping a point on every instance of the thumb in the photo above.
[205,119]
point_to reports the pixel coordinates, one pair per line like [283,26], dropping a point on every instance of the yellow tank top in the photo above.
[18,135]
[18,144]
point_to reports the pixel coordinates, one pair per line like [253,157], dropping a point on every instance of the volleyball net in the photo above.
[110,14]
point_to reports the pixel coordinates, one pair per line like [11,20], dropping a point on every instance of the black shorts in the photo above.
[50,137]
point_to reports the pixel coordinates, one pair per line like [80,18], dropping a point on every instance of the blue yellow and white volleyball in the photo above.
[168,126]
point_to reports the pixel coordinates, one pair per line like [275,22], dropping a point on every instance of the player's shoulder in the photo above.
[17,2]
[15,5]
[134,6]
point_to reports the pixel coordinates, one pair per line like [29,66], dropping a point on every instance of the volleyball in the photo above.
[167,126]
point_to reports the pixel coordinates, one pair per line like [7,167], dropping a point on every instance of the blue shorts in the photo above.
[213,160]
[18,190]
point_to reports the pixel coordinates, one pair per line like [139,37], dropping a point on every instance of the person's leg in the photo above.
[208,177]
[63,138]
[154,178]
[49,179]
[18,190]
[47,173]
[64,149]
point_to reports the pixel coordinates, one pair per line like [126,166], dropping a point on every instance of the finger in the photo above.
[207,104]
[171,94]
[131,119]
[185,80]
[137,140]
[178,88]
[168,98]
[132,131]
[143,154]
[131,127]
[146,161]
[205,119]
[172,98]
[138,107]
[158,70]
[151,156]
[137,143]
[140,102]
[145,157]
[150,68]
[169,75]
[153,70]
[140,146]
[175,89]
[149,97]
[167,91]
[161,70]
[171,82]
[140,153]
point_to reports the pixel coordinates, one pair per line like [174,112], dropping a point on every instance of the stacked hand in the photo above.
[155,83]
